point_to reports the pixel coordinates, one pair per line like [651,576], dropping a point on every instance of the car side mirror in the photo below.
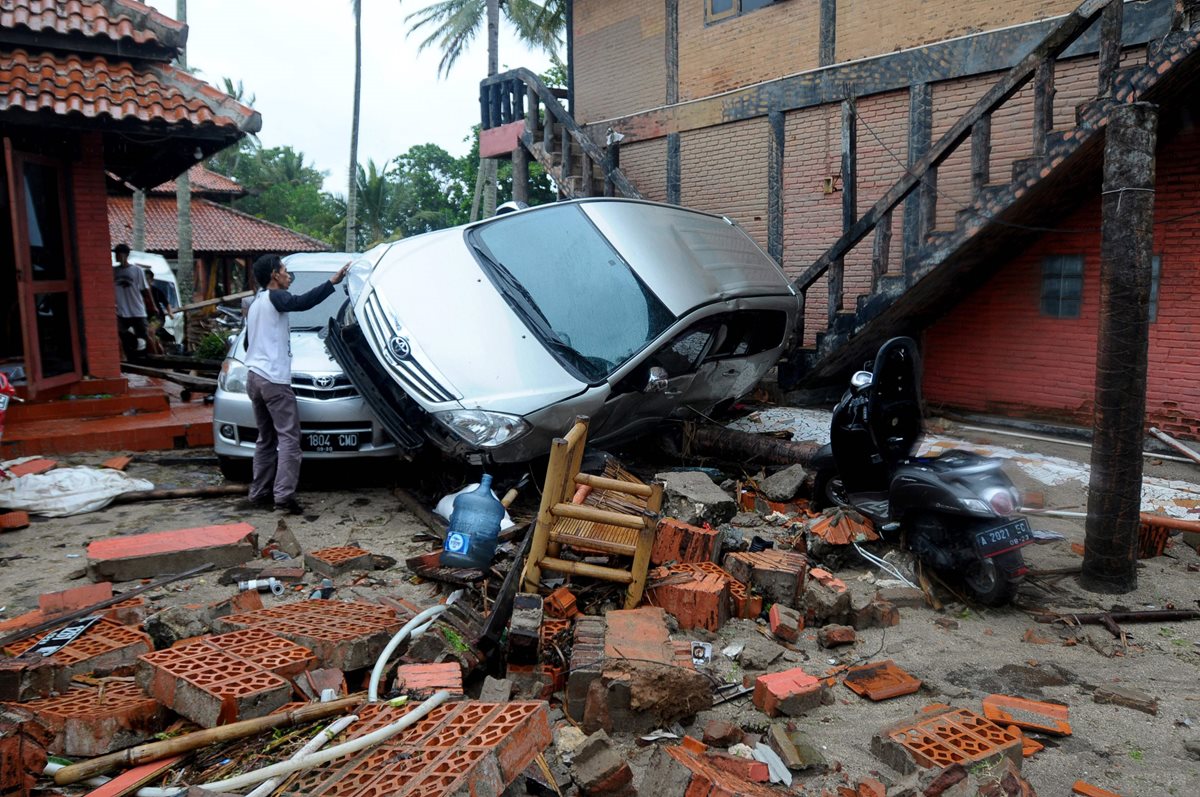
[657,381]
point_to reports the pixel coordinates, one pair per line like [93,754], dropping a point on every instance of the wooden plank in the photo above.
[131,780]
[198,383]
[981,151]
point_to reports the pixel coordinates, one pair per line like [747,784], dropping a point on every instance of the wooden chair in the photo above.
[562,522]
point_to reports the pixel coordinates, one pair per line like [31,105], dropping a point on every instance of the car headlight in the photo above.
[232,378]
[483,429]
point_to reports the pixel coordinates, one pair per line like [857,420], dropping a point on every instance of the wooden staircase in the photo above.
[1065,162]
[578,165]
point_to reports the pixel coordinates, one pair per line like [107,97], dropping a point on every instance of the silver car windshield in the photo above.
[317,317]
[571,288]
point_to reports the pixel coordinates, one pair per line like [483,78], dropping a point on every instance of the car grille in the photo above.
[321,387]
[407,371]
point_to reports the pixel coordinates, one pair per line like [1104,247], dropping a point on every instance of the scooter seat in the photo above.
[961,463]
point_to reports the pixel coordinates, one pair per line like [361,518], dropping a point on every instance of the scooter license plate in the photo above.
[995,541]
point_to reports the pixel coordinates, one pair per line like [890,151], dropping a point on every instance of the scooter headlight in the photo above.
[999,500]
[975,505]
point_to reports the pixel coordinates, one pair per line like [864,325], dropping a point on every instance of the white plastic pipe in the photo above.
[314,744]
[413,626]
[329,754]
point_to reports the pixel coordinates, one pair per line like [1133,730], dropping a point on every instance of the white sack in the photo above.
[67,491]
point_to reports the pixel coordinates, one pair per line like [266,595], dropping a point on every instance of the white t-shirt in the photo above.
[129,282]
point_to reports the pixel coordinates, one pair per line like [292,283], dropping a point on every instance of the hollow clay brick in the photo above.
[676,541]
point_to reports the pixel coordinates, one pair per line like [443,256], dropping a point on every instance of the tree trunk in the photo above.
[351,237]
[1127,235]
[139,220]
[185,265]
[487,166]
[746,446]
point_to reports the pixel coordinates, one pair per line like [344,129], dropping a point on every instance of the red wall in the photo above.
[996,353]
[97,302]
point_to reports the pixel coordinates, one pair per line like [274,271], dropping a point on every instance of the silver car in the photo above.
[335,422]
[487,339]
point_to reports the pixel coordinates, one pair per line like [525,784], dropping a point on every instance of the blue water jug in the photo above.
[474,527]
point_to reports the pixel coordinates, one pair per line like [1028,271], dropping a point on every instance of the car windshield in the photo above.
[571,287]
[316,317]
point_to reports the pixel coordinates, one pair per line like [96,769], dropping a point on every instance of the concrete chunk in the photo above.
[692,498]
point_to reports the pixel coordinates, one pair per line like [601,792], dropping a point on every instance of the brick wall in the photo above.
[97,303]
[868,27]
[761,45]
[996,353]
[645,164]
[711,157]
[620,61]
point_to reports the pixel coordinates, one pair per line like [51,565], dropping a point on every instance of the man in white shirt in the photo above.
[269,384]
[133,297]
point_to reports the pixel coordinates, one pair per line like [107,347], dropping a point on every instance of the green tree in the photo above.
[379,204]
[437,192]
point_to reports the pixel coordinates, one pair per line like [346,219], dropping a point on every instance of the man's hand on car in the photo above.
[336,278]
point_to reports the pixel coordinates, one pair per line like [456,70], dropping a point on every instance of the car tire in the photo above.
[236,469]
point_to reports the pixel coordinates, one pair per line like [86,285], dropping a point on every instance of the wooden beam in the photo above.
[520,173]
[920,132]
[827,47]
[1111,22]
[1043,104]
[849,164]
[1067,30]
[775,153]
[981,154]
[674,170]
[882,249]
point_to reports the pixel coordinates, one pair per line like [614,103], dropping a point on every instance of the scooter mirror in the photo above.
[861,380]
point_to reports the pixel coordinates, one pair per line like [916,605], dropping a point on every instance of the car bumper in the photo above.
[235,431]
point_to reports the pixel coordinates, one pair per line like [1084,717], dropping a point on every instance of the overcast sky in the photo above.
[297,60]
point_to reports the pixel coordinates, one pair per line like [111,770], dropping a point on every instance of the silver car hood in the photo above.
[309,355]
[457,326]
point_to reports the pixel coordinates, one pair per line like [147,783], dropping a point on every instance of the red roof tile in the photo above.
[215,228]
[110,19]
[203,181]
[93,86]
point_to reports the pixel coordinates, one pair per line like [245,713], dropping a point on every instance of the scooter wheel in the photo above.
[827,491]
[989,583]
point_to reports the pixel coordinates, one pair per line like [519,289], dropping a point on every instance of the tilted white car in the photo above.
[335,423]
[489,338]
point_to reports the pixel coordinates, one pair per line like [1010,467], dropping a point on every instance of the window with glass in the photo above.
[715,10]
[1062,286]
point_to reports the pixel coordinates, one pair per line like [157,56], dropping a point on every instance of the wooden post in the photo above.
[612,162]
[981,153]
[531,112]
[920,134]
[1043,104]
[775,185]
[849,164]
[587,185]
[827,44]
[927,202]
[1127,237]
[564,168]
[645,546]
[1110,48]
[520,176]
[835,280]
[882,249]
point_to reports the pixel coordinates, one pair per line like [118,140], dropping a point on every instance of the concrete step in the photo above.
[83,407]
[180,426]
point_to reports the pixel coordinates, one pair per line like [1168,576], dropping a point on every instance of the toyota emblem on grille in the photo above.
[324,381]
[400,347]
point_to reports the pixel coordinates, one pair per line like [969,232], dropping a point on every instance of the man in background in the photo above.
[133,298]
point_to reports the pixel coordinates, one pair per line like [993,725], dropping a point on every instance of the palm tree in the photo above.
[454,24]
[185,265]
[356,7]
[379,197]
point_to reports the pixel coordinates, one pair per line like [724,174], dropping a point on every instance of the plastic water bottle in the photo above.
[474,527]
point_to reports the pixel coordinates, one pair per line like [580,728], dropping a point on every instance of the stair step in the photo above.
[1024,168]
[86,407]
[182,426]
[1093,112]
[1156,49]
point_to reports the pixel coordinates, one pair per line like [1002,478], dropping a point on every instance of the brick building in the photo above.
[796,118]
[86,89]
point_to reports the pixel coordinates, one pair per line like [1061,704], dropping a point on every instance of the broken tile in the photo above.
[31,467]
[880,680]
[117,463]
[333,562]
[103,647]
[419,681]
[1085,789]
[14,520]
[1034,715]
[70,600]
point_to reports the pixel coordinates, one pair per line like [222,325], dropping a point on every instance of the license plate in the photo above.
[991,542]
[328,442]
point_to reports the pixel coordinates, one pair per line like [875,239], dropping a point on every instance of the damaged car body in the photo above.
[488,339]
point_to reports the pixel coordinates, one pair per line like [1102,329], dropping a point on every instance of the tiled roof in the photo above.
[94,86]
[109,19]
[215,228]
[203,181]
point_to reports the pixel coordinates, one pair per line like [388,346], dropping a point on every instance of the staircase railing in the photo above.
[1038,66]
[550,131]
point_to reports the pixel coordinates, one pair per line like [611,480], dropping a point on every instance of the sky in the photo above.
[296,57]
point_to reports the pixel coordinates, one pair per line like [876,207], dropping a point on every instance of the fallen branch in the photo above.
[744,446]
[214,491]
[155,751]
[104,604]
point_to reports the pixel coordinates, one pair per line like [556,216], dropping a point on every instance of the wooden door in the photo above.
[45,267]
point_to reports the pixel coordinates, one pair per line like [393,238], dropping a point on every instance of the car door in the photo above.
[629,409]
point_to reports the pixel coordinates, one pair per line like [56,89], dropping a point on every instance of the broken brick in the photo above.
[70,600]
[25,678]
[587,662]
[1034,715]
[831,636]
[314,682]
[1029,745]
[333,562]
[701,602]
[23,744]
[1129,698]
[776,575]
[678,770]
[676,541]
[785,622]
[419,681]
[720,733]
[880,680]
[525,629]
[14,520]
[877,613]
[746,768]
[104,647]
[88,721]
[560,604]
[793,748]
[134,556]
[599,770]
[117,463]
[1085,789]
[791,692]
[942,736]
[825,600]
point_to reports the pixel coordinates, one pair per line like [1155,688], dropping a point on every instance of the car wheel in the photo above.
[236,469]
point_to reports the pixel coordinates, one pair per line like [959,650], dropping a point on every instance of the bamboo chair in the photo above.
[561,522]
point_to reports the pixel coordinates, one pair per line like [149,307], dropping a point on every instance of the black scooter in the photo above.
[955,512]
